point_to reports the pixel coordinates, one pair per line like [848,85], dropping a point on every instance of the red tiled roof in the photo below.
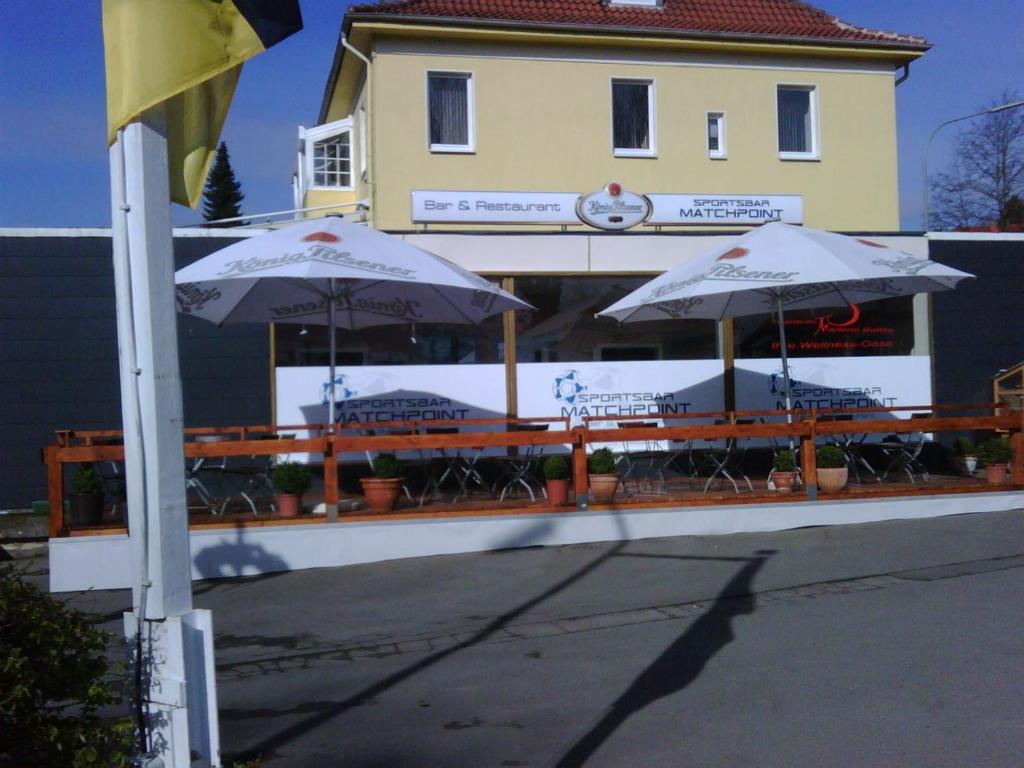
[760,18]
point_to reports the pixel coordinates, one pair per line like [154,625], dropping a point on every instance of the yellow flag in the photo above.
[186,54]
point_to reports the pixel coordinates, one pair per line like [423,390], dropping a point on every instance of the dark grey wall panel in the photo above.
[977,328]
[59,353]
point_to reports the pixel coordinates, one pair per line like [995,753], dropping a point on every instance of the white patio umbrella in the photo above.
[337,273]
[777,267]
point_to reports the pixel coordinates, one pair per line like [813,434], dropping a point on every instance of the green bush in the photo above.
[386,466]
[784,461]
[556,468]
[291,478]
[963,447]
[86,480]
[994,451]
[829,457]
[54,677]
[601,462]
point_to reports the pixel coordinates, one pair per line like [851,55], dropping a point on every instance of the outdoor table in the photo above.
[903,455]
[454,463]
[851,444]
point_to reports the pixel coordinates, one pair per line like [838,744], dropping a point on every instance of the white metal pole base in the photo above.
[181,704]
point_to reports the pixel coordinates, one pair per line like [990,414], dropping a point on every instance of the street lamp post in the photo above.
[990,111]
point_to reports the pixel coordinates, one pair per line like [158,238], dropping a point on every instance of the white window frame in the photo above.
[815,151]
[720,153]
[363,140]
[313,136]
[652,113]
[470,147]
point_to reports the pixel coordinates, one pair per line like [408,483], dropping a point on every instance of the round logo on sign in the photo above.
[613,208]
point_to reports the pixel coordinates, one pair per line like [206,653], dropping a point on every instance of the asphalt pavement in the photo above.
[884,644]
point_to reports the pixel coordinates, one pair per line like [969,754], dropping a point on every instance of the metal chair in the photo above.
[519,469]
[724,457]
[904,455]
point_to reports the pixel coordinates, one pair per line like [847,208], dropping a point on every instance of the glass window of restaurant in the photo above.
[873,329]
[427,344]
[563,327]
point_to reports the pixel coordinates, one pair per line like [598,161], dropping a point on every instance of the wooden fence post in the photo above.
[55,490]
[331,478]
[808,461]
[1017,462]
[579,467]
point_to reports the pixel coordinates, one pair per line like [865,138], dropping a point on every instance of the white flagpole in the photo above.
[176,641]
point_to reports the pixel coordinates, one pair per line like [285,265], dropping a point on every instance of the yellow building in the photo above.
[509,135]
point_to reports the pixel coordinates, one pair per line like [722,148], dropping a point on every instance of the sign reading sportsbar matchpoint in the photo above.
[611,208]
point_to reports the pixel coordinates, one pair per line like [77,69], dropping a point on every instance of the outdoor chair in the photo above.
[521,467]
[904,454]
[723,458]
[644,460]
[204,476]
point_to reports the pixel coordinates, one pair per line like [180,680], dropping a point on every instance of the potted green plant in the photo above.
[784,471]
[290,480]
[382,489]
[556,479]
[995,454]
[966,457]
[831,469]
[86,497]
[604,480]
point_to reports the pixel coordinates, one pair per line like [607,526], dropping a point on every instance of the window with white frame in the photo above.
[363,140]
[450,111]
[633,118]
[797,119]
[332,161]
[716,135]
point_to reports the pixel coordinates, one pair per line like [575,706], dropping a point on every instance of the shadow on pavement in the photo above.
[680,664]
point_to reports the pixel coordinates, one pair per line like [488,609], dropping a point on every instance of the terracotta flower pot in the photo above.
[996,474]
[558,491]
[381,493]
[603,487]
[832,479]
[784,481]
[289,505]
[86,508]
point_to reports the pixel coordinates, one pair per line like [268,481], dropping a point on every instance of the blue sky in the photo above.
[53,155]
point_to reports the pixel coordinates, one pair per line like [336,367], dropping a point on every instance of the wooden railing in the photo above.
[806,427]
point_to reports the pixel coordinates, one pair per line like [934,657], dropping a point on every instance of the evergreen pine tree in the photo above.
[222,197]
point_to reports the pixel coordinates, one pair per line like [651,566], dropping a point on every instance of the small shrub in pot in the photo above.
[382,490]
[603,479]
[290,480]
[994,454]
[784,471]
[831,468]
[86,500]
[556,479]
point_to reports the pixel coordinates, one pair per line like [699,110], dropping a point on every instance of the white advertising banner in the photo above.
[659,389]
[836,382]
[676,209]
[368,395]
[447,206]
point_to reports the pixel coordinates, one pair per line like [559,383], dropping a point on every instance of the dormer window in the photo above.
[635,3]
[328,161]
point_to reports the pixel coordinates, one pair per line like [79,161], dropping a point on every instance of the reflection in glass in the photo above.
[883,327]
[564,329]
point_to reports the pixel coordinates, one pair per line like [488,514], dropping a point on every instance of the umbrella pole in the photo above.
[331,353]
[785,363]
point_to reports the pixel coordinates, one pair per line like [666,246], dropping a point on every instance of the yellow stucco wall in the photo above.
[545,125]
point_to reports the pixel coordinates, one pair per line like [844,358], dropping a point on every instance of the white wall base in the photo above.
[104,562]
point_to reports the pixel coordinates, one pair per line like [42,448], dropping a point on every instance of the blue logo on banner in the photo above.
[341,390]
[567,387]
